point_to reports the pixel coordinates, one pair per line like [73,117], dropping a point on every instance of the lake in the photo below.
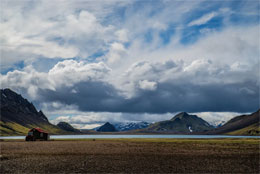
[132,136]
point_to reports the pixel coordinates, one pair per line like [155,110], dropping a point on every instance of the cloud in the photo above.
[73,30]
[156,83]
[85,29]
[129,56]
[69,72]
[116,53]
[122,35]
[64,74]
[216,118]
[203,19]
[147,85]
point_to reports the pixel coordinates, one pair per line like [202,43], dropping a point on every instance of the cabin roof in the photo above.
[38,129]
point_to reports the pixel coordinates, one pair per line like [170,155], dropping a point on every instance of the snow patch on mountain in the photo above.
[218,123]
[126,126]
[190,129]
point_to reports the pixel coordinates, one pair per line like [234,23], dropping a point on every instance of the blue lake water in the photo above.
[132,136]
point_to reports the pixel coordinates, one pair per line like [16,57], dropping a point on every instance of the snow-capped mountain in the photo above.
[131,125]
[217,123]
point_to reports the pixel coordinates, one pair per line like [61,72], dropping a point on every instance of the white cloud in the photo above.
[122,35]
[197,65]
[64,73]
[69,72]
[204,19]
[72,30]
[147,85]
[86,126]
[116,53]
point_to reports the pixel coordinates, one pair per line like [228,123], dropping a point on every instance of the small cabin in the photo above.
[37,134]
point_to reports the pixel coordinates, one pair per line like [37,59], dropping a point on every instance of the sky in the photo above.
[87,62]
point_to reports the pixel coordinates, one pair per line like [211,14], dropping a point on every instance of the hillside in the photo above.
[240,125]
[67,127]
[18,115]
[181,123]
[253,129]
[107,127]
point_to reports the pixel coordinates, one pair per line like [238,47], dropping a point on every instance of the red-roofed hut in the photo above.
[37,134]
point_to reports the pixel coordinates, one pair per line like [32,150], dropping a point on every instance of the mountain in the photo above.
[217,123]
[107,127]
[67,127]
[240,125]
[18,115]
[131,126]
[181,123]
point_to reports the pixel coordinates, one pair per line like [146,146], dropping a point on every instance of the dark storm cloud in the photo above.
[168,97]
[88,96]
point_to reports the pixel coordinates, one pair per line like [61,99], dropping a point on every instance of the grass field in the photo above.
[131,156]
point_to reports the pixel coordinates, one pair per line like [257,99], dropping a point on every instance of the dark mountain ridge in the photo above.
[67,127]
[107,127]
[17,109]
[18,115]
[181,123]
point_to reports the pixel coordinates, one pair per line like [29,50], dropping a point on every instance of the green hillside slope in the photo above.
[253,129]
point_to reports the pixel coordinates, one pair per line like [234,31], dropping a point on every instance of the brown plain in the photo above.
[131,156]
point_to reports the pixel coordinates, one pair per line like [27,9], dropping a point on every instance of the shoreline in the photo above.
[131,136]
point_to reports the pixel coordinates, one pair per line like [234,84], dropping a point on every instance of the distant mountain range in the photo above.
[127,126]
[181,123]
[18,115]
[184,123]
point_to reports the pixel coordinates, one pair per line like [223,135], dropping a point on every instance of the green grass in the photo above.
[250,130]
[52,129]
[11,128]
[14,129]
